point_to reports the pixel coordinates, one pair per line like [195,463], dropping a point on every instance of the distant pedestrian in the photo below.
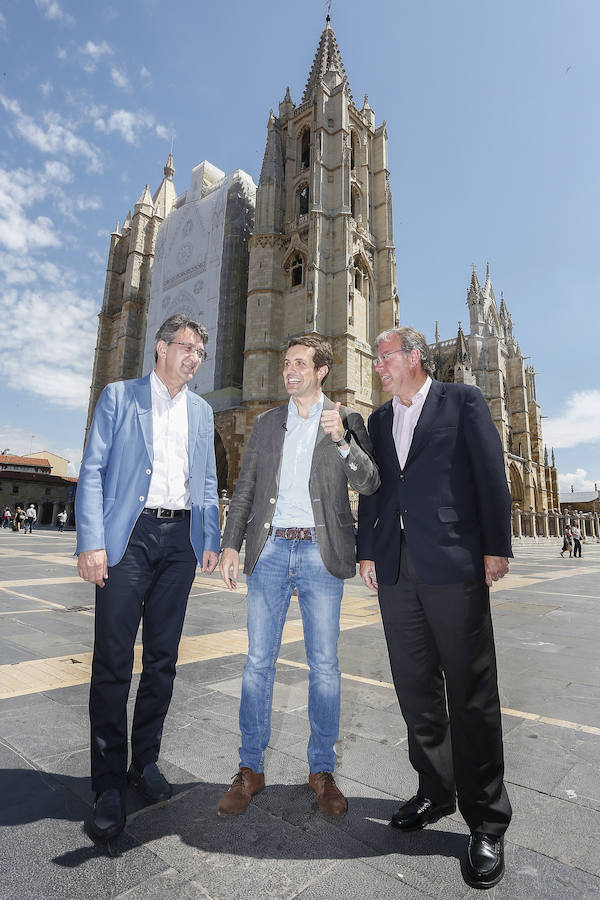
[62,520]
[19,520]
[576,535]
[6,517]
[567,541]
[31,518]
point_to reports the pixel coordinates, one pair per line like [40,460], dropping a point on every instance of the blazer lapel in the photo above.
[143,402]
[193,410]
[429,414]
[387,435]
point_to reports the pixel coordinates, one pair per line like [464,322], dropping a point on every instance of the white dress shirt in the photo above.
[169,484]
[405,422]
[294,509]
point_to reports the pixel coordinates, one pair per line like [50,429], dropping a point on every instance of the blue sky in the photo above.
[492,112]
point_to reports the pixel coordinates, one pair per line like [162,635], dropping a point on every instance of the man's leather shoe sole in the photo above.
[108,820]
[418,812]
[484,865]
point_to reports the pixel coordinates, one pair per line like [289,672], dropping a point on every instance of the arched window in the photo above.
[353,153]
[303,200]
[297,270]
[305,149]
[361,277]
[354,203]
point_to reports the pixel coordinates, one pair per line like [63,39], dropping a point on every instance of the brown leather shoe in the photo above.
[243,787]
[329,797]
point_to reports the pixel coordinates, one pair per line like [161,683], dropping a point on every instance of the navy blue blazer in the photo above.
[452,492]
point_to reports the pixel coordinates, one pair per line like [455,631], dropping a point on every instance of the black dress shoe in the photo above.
[151,784]
[485,860]
[418,812]
[109,814]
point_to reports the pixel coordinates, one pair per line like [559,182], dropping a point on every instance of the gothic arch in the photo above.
[303,147]
[302,199]
[516,485]
[355,200]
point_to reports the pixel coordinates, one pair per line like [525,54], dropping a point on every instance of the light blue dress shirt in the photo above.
[294,509]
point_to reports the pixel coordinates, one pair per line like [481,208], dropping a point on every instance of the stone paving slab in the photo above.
[547,635]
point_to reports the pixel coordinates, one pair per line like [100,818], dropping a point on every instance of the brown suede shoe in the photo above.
[243,787]
[329,797]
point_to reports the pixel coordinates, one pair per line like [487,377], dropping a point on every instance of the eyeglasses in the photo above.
[385,356]
[189,348]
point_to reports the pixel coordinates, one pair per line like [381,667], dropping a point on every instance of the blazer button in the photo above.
[148,471]
[267,525]
[272,500]
[402,477]
[142,499]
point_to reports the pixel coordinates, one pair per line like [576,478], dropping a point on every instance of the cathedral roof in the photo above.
[145,204]
[327,59]
[272,171]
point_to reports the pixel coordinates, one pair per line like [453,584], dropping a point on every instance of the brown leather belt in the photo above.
[293,534]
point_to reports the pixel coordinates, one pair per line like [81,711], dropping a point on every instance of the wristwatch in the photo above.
[345,439]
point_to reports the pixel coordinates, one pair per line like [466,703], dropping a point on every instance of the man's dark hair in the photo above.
[171,326]
[323,354]
[410,339]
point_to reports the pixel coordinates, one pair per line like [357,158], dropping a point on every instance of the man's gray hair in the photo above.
[171,326]
[410,339]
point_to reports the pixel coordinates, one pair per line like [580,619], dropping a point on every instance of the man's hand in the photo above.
[331,423]
[496,567]
[367,573]
[92,565]
[229,567]
[209,562]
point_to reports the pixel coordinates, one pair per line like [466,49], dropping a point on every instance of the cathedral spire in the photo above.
[169,168]
[165,194]
[327,59]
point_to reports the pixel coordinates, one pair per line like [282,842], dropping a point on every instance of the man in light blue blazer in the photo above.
[147,511]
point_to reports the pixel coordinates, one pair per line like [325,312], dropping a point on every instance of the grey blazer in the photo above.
[253,503]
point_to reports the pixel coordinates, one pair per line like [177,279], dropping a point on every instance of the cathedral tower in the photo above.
[322,258]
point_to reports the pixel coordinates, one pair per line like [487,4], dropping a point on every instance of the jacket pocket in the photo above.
[345,518]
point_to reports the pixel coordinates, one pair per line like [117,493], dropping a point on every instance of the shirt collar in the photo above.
[159,388]
[316,408]
[418,399]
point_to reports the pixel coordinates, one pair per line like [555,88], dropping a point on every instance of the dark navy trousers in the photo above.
[151,583]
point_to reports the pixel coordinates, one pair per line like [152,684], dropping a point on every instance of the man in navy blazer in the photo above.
[147,511]
[432,540]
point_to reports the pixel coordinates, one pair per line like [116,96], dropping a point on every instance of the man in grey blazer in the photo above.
[291,504]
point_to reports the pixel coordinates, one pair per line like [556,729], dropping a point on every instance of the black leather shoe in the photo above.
[485,860]
[418,812]
[151,784]
[109,814]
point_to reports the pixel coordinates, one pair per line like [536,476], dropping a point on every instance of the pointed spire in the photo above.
[545,455]
[272,171]
[127,222]
[144,204]
[488,290]
[327,59]
[437,332]
[474,291]
[117,231]
[169,168]
[553,460]
[165,195]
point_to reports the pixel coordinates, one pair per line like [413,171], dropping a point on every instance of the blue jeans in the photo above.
[282,566]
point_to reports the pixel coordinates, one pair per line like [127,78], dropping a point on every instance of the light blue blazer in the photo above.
[115,473]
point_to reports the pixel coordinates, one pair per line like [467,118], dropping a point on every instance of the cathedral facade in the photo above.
[311,252]
[490,357]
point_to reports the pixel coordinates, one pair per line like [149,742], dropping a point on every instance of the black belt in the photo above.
[293,534]
[162,513]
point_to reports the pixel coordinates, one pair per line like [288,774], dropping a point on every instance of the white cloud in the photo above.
[61,324]
[578,480]
[120,79]
[580,424]
[55,135]
[162,132]
[2,24]
[129,125]
[52,10]
[146,77]
[46,88]
[61,52]
[85,202]
[93,53]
